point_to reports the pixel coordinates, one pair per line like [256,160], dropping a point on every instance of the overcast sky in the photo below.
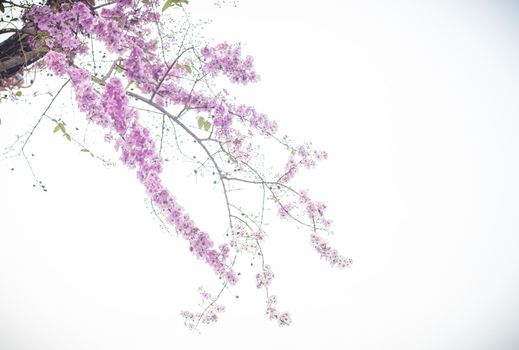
[416,103]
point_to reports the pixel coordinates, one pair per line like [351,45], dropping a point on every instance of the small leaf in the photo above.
[119,69]
[167,5]
[188,69]
[43,49]
[67,136]
[18,93]
[85,150]
[2,8]
[56,128]
[62,127]
[232,159]
[201,122]
[170,3]
[207,126]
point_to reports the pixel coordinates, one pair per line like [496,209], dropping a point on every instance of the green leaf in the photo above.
[67,136]
[201,122]
[207,126]
[18,93]
[119,69]
[188,69]
[231,159]
[56,128]
[170,3]
[43,49]
[167,5]
[87,151]
[62,127]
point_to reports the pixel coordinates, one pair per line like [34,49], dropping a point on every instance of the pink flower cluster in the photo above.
[303,155]
[243,239]
[88,99]
[285,209]
[264,279]
[314,209]
[227,59]
[328,253]
[273,313]
[254,119]
[209,315]
[57,29]
[120,27]
[56,62]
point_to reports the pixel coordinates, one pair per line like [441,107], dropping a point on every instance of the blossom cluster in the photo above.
[328,253]
[273,313]
[285,209]
[264,279]
[209,314]
[57,29]
[244,240]
[227,58]
[303,155]
[313,210]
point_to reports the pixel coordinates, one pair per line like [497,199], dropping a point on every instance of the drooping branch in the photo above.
[228,129]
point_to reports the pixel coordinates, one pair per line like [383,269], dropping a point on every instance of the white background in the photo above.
[416,103]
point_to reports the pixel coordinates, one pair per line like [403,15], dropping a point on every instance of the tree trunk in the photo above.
[16,54]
